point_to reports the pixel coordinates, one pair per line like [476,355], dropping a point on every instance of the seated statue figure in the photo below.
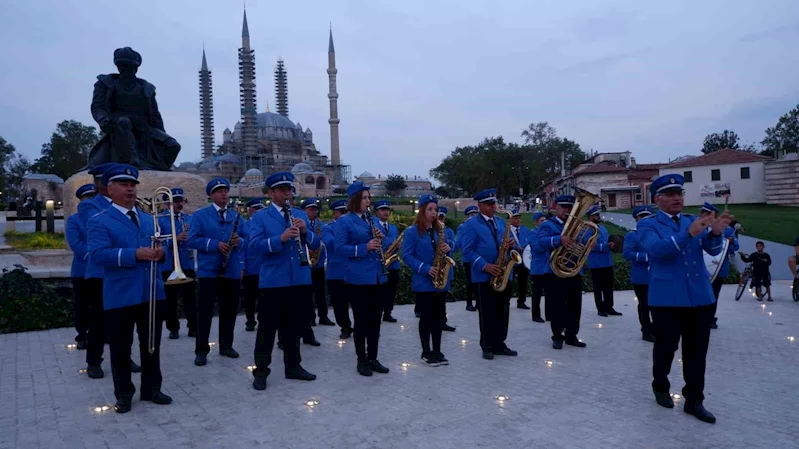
[125,108]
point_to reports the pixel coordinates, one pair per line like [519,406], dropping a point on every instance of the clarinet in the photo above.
[225,259]
[380,254]
[298,239]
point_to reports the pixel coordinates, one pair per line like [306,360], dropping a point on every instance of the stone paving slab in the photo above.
[597,397]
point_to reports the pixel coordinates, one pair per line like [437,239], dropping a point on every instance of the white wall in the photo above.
[750,190]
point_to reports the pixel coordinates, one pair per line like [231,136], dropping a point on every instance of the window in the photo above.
[689,176]
[715,174]
[744,172]
[639,197]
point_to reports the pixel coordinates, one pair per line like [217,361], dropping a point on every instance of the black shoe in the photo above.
[173,335]
[299,373]
[522,306]
[134,368]
[313,323]
[158,398]
[769,300]
[201,359]
[229,352]
[280,346]
[249,327]
[389,319]
[575,342]
[698,410]
[664,399]
[122,405]
[648,337]
[418,314]
[441,359]
[429,359]
[312,342]
[557,344]
[448,328]
[344,334]
[506,351]
[192,334]
[602,314]
[760,298]
[470,308]
[378,367]
[325,321]
[714,326]
[95,372]
[488,355]
[259,383]
[538,319]
[614,313]
[364,368]
[82,345]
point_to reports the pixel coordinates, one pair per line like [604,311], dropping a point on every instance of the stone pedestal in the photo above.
[192,185]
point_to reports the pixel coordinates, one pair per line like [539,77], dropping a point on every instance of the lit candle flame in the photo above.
[791,338]
[405,364]
[501,398]
[311,402]
[550,363]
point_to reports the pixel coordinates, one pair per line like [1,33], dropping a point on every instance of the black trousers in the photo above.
[367,309]
[565,297]
[187,292]
[538,292]
[119,323]
[80,310]
[470,288]
[602,278]
[251,293]
[391,290]
[226,292]
[692,324]
[280,310]
[93,293]
[319,295]
[644,313]
[341,304]
[717,283]
[521,274]
[430,306]
[494,311]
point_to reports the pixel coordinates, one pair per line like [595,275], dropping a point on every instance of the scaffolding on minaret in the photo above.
[281,89]
[206,110]
[249,113]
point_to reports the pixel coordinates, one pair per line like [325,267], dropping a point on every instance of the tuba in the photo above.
[505,263]
[392,253]
[440,261]
[566,261]
[313,256]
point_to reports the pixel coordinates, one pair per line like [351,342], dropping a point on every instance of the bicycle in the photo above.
[746,276]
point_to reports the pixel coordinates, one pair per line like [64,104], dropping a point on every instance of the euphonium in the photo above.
[567,261]
[441,261]
[392,253]
[313,256]
[505,263]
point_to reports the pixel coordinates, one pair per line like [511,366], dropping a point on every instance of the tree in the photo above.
[539,134]
[395,184]
[784,135]
[68,149]
[6,153]
[15,169]
[715,142]
[442,192]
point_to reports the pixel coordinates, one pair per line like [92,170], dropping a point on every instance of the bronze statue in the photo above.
[125,108]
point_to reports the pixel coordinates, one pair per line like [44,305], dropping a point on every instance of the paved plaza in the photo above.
[597,397]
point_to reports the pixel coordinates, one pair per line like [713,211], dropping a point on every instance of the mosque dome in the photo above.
[271,119]
[366,174]
[302,167]
[253,172]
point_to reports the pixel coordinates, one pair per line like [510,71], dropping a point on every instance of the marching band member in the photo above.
[520,272]
[359,241]
[120,242]
[252,266]
[639,273]
[680,294]
[76,237]
[217,233]
[729,234]
[600,263]
[311,208]
[564,295]
[420,245]
[482,239]
[538,270]
[470,212]
[280,234]
[336,266]
[449,235]
[186,256]
[390,233]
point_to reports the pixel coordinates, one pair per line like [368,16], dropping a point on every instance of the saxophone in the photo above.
[392,253]
[442,262]
[505,263]
[313,256]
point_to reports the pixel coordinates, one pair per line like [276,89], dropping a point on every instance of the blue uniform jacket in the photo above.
[336,264]
[418,254]
[316,227]
[677,273]
[113,241]
[639,260]
[480,247]
[76,237]
[459,239]
[390,236]
[521,238]
[280,265]
[86,210]
[185,253]
[540,260]
[362,267]
[600,257]
[252,259]
[205,233]
[731,250]
[548,239]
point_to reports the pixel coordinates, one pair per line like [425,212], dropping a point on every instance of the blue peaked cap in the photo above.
[382,204]
[216,183]
[486,196]
[310,202]
[707,207]
[338,205]
[427,198]
[666,182]
[255,202]
[470,210]
[643,210]
[356,188]
[121,172]
[85,189]
[592,211]
[442,210]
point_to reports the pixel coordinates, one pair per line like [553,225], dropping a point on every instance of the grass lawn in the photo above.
[35,240]
[763,221]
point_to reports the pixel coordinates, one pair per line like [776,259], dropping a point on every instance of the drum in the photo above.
[527,257]
[713,263]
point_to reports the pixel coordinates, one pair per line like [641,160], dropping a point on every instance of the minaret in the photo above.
[247,92]
[281,89]
[332,95]
[206,109]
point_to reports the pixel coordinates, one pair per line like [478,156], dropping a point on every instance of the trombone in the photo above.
[161,196]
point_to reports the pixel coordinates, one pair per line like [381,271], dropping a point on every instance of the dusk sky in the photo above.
[418,78]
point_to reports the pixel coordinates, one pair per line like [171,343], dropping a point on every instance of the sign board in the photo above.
[716,190]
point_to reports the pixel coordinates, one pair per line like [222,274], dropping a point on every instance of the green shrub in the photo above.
[35,240]
[28,304]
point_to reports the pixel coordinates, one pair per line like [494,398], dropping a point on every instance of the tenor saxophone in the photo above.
[441,261]
[505,263]
[392,253]
[313,255]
